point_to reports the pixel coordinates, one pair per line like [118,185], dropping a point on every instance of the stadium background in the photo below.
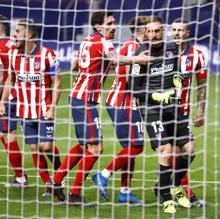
[63,24]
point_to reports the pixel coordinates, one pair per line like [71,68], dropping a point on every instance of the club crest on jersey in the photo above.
[188,62]
[36,65]
[170,54]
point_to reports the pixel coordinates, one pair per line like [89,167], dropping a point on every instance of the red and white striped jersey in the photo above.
[119,96]
[33,81]
[93,68]
[191,62]
[6,48]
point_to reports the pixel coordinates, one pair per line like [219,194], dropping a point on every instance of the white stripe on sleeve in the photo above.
[33,91]
[43,90]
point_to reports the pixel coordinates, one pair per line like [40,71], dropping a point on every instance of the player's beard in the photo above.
[112,35]
[20,44]
[177,40]
[156,42]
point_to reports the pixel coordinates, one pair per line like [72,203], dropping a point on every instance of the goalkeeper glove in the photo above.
[178,83]
[163,97]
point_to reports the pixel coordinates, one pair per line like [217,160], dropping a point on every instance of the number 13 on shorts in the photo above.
[158,126]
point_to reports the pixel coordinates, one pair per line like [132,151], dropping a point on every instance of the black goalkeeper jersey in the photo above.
[154,77]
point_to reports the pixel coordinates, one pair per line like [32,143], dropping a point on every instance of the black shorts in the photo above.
[167,126]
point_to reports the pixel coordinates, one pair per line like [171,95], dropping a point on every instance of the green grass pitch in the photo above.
[204,174]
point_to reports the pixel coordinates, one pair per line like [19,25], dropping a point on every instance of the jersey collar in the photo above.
[34,52]
[4,38]
[97,33]
[186,51]
[137,40]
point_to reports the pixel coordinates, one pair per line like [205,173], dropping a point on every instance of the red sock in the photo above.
[40,164]
[71,159]
[185,185]
[127,173]
[14,156]
[54,157]
[84,167]
[122,158]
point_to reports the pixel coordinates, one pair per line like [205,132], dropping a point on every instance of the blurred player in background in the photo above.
[37,82]
[8,122]
[123,110]
[191,62]
[95,55]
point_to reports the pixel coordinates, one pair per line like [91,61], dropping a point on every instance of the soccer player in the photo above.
[155,85]
[8,122]
[123,110]
[95,55]
[191,62]
[37,83]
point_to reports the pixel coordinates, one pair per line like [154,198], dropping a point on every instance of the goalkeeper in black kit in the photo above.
[158,88]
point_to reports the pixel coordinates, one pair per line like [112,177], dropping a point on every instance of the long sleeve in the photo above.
[135,81]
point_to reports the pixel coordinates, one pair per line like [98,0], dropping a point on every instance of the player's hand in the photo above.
[178,81]
[2,109]
[198,120]
[143,58]
[164,98]
[49,114]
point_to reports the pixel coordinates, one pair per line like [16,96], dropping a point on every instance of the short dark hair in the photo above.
[136,22]
[183,21]
[155,19]
[98,17]
[5,22]
[31,26]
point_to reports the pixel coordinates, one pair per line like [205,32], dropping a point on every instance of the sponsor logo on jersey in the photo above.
[29,77]
[135,69]
[162,69]
[9,44]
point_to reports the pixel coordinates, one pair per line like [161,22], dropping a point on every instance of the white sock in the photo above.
[125,190]
[21,179]
[106,173]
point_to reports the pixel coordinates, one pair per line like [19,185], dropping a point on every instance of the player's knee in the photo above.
[189,149]
[96,149]
[34,147]
[46,146]
[165,150]
[164,153]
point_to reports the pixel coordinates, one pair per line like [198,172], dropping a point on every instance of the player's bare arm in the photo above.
[1,76]
[141,59]
[6,92]
[56,89]
[201,98]
[74,64]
